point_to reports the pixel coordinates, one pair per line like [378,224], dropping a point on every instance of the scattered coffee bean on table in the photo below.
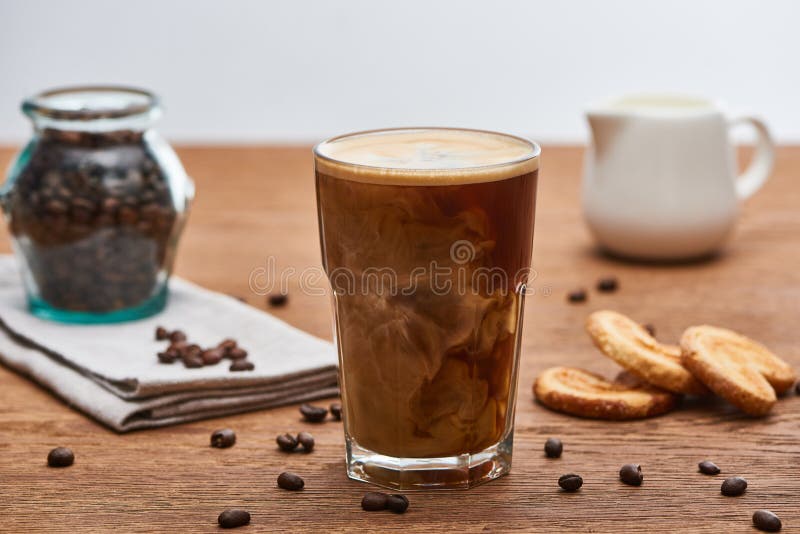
[553,447]
[234,518]
[177,335]
[60,457]
[179,347]
[631,474]
[161,333]
[306,440]
[576,296]
[336,411]
[211,356]
[286,442]
[168,356]
[708,468]
[733,486]
[223,438]
[236,353]
[277,300]
[193,361]
[650,329]
[290,481]
[766,521]
[570,482]
[608,284]
[313,414]
[374,501]
[241,365]
[397,503]
[227,344]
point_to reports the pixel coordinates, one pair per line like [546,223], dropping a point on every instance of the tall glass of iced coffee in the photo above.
[426,240]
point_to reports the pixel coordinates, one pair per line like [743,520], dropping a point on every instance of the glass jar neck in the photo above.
[99,110]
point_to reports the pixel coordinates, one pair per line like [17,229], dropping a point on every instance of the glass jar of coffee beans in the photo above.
[95,204]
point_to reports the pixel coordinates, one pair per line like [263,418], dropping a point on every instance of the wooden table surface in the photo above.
[258,202]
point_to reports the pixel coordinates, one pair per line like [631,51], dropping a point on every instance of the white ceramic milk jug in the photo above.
[660,179]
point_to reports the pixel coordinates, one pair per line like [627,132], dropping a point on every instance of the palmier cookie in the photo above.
[630,345]
[579,392]
[736,368]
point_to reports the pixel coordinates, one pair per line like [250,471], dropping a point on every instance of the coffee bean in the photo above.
[56,207]
[650,329]
[553,447]
[110,205]
[570,482]
[194,356]
[733,486]
[397,503]
[631,474]
[290,481]
[167,356]
[374,501]
[211,356]
[336,411]
[227,344]
[242,365]
[236,353]
[286,442]
[177,335]
[608,284]
[313,414]
[193,361]
[766,521]
[128,215]
[150,211]
[223,438]
[60,457]
[278,299]
[179,347]
[306,440]
[233,518]
[576,296]
[708,468]
[797,388]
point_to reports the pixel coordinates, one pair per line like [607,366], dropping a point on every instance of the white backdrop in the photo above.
[300,70]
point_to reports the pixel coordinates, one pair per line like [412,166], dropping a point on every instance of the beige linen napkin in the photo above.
[111,372]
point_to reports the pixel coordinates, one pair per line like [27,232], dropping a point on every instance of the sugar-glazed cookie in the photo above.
[736,368]
[626,342]
[579,392]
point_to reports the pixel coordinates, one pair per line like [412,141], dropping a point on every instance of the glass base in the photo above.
[151,306]
[458,472]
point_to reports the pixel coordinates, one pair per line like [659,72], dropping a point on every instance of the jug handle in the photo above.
[756,174]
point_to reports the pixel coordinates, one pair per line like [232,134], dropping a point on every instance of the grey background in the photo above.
[297,71]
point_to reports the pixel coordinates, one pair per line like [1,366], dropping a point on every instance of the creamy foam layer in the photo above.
[426,156]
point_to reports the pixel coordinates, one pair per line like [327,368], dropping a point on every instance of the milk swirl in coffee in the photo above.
[426,238]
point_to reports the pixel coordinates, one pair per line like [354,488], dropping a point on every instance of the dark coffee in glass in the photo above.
[426,239]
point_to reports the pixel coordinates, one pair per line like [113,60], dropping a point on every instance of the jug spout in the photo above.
[604,126]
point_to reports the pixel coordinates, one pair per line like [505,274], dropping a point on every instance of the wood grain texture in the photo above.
[257,202]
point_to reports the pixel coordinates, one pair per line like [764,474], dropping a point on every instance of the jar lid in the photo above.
[91,103]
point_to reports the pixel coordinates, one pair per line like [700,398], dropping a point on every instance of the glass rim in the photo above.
[41,104]
[534,154]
